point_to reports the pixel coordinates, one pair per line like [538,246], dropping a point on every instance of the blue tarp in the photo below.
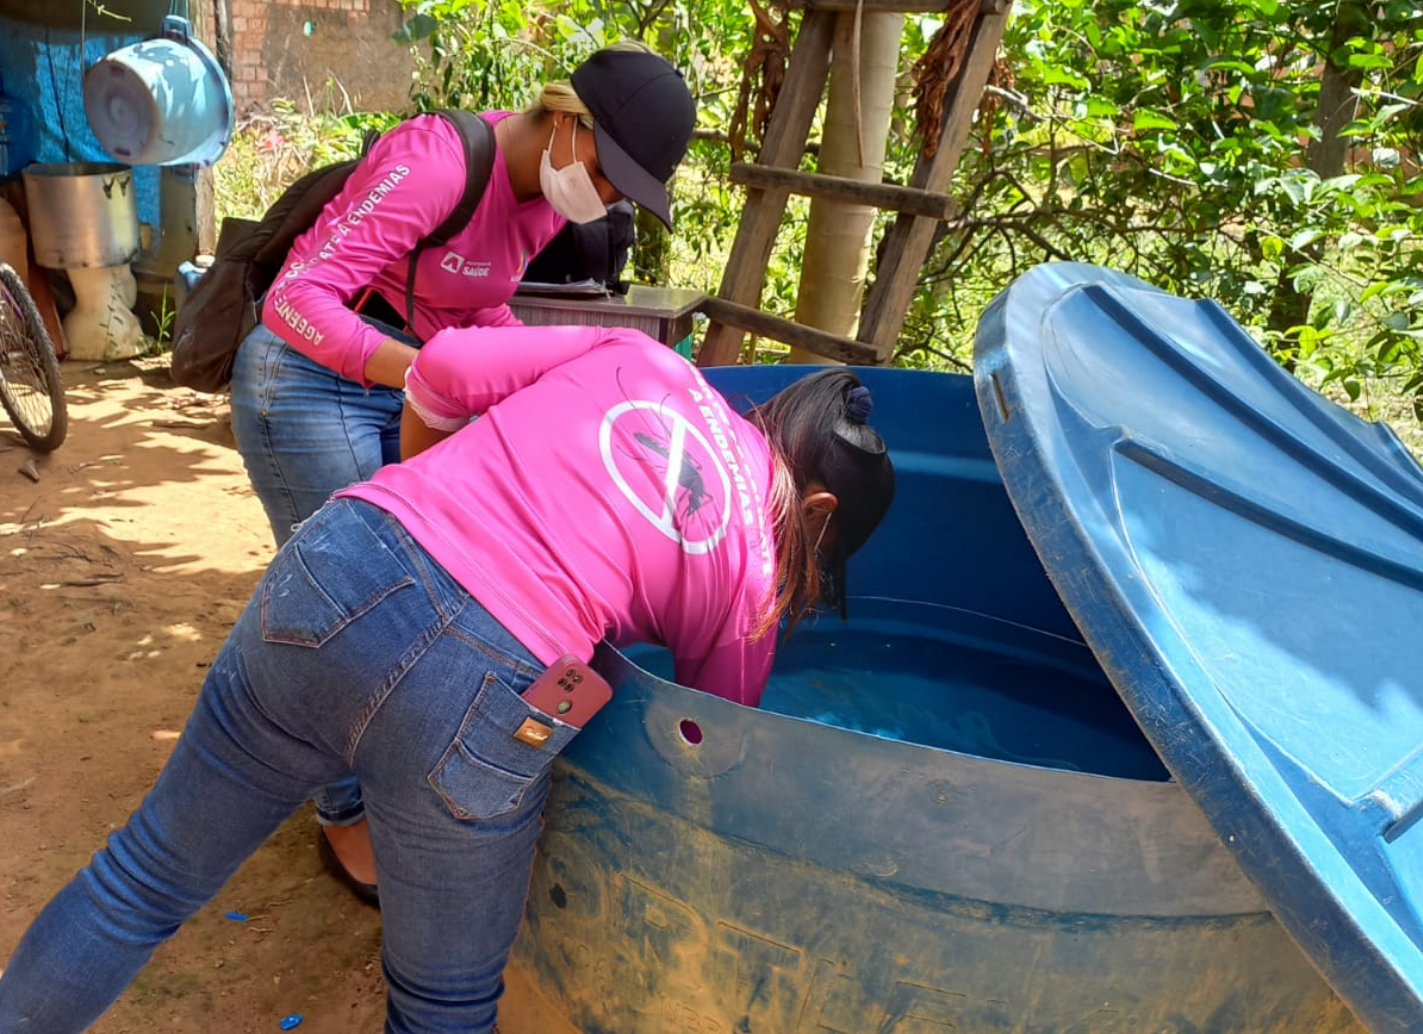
[44,71]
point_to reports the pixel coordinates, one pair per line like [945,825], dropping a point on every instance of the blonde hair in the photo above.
[559,95]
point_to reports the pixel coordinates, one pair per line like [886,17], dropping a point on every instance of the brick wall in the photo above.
[329,53]
[249,27]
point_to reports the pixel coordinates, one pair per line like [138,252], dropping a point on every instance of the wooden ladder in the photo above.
[734,309]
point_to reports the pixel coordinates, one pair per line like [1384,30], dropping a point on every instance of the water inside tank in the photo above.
[964,683]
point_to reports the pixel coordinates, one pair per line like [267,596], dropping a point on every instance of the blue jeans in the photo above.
[356,653]
[305,432]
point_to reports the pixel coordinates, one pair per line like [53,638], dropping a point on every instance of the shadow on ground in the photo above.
[121,569]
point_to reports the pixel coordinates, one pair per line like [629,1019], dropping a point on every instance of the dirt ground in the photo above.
[121,571]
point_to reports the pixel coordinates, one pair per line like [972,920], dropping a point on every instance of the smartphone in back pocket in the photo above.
[570,691]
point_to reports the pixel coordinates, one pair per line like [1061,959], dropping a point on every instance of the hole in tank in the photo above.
[690,731]
[956,681]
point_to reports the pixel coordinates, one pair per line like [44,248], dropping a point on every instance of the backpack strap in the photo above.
[478,137]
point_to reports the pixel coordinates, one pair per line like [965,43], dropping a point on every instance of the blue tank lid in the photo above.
[1245,559]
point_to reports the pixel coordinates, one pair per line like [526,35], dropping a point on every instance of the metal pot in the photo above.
[163,101]
[82,214]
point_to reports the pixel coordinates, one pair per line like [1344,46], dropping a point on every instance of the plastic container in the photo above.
[1245,558]
[185,280]
[17,134]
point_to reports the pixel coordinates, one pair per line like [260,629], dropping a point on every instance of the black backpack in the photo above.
[587,251]
[223,306]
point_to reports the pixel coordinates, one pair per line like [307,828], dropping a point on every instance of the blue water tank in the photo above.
[17,134]
[942,817]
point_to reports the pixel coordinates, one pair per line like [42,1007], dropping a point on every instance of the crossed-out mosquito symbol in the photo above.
[685,488]
[684,470]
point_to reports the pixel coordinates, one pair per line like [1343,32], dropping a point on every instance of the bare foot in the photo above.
[352,845]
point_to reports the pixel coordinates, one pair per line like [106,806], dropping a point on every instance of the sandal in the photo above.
[366,892]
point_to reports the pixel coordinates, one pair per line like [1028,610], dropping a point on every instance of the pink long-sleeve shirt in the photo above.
[409,183]
[606,490]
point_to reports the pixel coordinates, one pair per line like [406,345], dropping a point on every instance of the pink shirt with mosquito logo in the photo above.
[606,490]
[409,183]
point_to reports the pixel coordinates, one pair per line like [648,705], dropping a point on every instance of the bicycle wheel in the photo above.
[30,387]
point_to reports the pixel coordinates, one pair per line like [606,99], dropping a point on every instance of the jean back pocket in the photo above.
[488,768]
[332,572]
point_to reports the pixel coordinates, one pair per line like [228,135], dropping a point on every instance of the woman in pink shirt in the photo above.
[316,394]
[605,491]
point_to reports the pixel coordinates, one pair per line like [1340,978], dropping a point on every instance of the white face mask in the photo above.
[570,189]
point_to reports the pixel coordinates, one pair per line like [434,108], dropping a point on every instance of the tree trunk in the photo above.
[1326,156]
[1337,102]
[837,242]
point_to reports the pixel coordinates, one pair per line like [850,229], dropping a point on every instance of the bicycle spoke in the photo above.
[31,388]
[19,368]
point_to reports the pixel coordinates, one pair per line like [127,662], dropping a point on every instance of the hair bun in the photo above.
[858,404]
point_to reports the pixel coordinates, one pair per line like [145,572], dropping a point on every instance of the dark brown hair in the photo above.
[817,431]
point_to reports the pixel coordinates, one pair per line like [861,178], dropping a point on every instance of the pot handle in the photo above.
[177,28]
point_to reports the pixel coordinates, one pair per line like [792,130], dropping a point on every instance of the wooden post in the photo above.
[798,335]
[841,188]
[906,245]
[922,205]
[761,218]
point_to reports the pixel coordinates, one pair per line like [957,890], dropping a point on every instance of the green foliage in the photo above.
[1180,143]
[162,340]
[1187,143]
[477,56]
[270,152]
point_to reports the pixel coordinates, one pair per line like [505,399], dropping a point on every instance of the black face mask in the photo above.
[832,592]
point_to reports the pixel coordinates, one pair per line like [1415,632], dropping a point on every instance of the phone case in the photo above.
[570,691]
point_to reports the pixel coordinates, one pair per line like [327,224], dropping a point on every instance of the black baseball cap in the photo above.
[643,117]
